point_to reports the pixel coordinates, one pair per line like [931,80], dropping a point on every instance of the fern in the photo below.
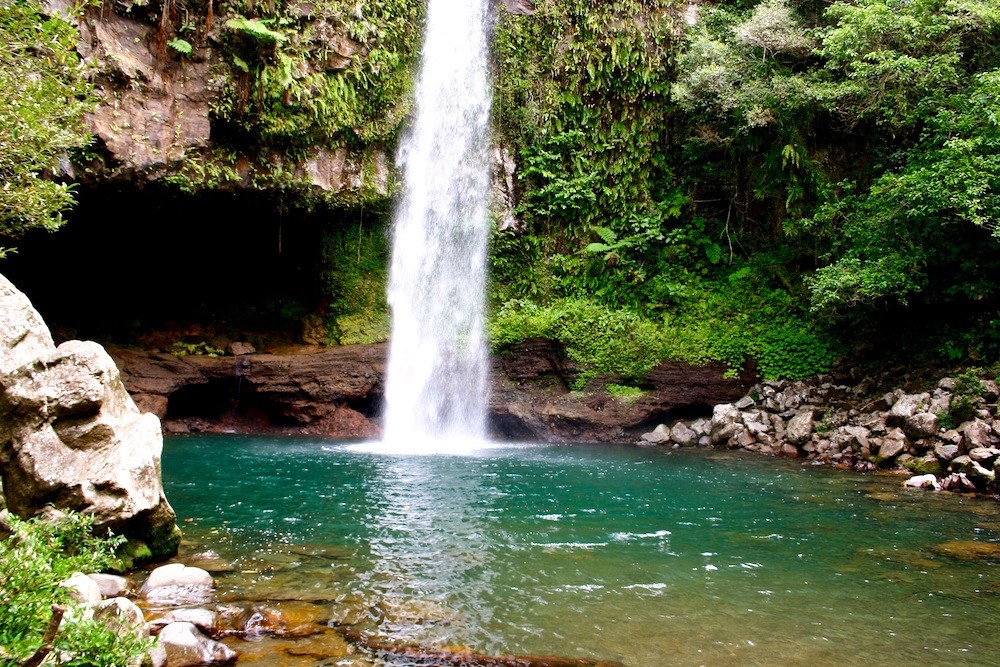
[256,29]
[181,46]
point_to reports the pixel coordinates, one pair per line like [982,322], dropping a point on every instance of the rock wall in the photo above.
[153,120]
[160,113]
[337,392]
[70,435]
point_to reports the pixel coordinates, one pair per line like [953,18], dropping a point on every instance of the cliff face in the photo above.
[171,87]
[308,97]
[338,393]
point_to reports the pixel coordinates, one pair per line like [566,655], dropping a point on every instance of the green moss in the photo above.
[927,465]
[624,392]
[603,340]
[285,87]
[356,260]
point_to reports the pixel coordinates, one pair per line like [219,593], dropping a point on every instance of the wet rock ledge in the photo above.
[337,392]
[947,436]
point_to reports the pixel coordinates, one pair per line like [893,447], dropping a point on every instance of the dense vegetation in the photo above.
[34,559]
[774,182]
[788,181]
[43,97]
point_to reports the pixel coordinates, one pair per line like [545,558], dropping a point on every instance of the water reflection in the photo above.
[428,532]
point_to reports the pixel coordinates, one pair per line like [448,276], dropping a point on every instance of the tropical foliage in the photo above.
[43,97]
[793,178]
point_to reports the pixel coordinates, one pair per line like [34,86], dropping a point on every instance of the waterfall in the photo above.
[436,386]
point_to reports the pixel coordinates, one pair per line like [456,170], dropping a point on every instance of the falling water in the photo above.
[437,376]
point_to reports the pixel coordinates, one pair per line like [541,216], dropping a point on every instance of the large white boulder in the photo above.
[70,435]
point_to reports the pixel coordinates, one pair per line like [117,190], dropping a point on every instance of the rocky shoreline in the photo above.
[947,428]
[947,436]
[178,604]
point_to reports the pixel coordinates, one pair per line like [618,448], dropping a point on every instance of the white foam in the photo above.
[625,537]
[569,545]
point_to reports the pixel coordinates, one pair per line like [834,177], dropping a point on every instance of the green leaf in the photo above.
[714,253]
[242,64]
[607,235]
[255,28]
[182,46]
[595,248]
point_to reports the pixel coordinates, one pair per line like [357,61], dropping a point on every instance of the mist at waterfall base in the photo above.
[645,556]
[436,382]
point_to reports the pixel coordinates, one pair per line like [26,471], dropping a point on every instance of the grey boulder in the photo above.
[70,435]
[184,646]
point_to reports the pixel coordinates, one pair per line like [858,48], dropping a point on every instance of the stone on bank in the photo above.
[842,425]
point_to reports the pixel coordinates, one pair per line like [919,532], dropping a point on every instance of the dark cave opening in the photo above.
[213,265]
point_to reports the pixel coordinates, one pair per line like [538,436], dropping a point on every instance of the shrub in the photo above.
[601,339]
[968,390]
[33,560]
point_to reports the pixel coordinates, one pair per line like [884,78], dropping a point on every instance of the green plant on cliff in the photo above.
[602,339]
[336,73]
[586,95]
[777,182]
[861,139]
[355,283]
[43,97]
[34,559]
[583,97]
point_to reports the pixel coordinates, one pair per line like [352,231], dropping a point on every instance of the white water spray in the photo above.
[436,387]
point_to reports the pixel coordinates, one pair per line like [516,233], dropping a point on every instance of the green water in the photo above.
[644,556]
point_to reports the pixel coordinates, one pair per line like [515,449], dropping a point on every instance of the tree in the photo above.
[43,98]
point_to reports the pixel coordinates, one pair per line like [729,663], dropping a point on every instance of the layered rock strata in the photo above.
[337,392]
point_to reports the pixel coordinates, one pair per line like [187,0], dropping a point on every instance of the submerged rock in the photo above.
[968,550]
[205,620]
[70,435]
